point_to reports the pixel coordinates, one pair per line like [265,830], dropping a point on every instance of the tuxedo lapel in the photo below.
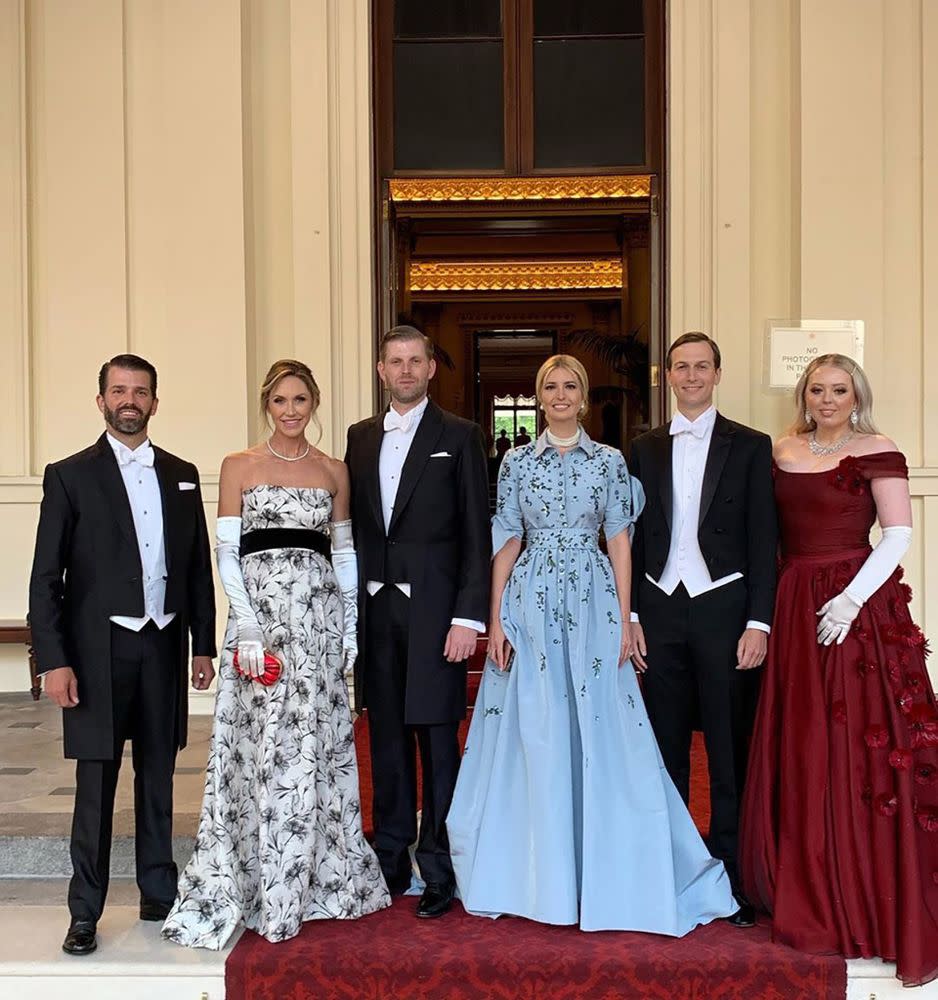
[112,485]
[169,499]
[663,449]
[369,459]
[425,437]
[720,443]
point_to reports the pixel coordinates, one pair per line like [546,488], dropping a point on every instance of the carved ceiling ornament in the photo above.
[514,275]
[480,189]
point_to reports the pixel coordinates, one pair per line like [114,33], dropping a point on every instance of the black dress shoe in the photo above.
[745,916]
[436,900]
[80,939]
[153,909]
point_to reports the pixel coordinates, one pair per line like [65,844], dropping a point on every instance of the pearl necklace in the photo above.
[821,450]
[286,458]
[559,442]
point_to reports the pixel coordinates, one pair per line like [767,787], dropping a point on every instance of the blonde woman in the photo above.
[280,837]
[563,810]
[839,835]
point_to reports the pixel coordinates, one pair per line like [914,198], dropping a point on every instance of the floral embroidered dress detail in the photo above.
[839,835]
[563,810]
[280,834]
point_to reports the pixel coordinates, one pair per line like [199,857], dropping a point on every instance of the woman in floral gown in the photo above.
[563,811]
[280,834]
[839,832]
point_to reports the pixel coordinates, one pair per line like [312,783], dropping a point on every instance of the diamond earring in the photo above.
[807,416]
[854,417]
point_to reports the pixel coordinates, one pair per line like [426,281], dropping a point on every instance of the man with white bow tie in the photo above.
[421,523]
[121,576]
[703,586]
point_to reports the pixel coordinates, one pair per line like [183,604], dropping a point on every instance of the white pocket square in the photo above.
[187,486]
[441,454]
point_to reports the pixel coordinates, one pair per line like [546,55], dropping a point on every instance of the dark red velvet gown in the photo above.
[839,829]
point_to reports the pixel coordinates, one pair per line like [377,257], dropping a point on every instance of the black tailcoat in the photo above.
[438,541]
[87,568]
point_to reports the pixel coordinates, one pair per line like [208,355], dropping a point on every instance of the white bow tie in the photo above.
[681,425]
[397,421]
[142,456]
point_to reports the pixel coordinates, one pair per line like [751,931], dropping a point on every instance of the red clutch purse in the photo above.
[272,669]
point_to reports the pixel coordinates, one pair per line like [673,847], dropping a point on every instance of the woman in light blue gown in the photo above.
[563,811]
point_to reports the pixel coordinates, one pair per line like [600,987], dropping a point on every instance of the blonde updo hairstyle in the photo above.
[571,364]
[283,369]
[861,391]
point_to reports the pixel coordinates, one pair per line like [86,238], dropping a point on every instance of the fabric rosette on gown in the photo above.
[563,811]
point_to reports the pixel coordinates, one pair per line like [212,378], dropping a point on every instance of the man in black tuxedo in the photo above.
[121,574]
[421,522]
[703,586]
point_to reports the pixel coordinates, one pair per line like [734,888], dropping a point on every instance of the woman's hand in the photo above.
[499,649]
[625,646]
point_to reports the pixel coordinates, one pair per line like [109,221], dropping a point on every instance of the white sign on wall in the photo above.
[790,345]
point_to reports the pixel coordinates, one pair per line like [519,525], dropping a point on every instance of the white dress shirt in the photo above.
[395,447]
[146,506]
[686,564]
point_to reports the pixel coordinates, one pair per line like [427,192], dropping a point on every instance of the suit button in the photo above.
[720,531]
[727,499]
[655,533]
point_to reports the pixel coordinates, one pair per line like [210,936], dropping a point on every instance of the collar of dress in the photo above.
[585,442]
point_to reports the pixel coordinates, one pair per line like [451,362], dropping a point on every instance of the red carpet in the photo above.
[393,955]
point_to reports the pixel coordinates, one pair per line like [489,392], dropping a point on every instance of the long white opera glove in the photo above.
[840,612]
[228,558]
[345,565]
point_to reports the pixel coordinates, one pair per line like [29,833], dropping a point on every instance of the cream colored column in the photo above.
[14,331]
[331,171]
[77,240]
[709,209]
[185,212]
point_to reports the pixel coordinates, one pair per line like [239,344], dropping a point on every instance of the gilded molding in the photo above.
[514,275]
[608,188]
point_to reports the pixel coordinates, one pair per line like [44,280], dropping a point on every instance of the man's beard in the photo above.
[126,419]
[411,394]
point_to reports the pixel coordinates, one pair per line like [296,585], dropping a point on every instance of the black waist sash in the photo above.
[284,538]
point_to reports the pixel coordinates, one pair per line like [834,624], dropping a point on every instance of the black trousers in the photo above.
[393,753]
[144,679]
[692,678]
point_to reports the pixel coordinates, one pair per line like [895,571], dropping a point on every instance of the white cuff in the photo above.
[633,617]
[469,623]
[761,626]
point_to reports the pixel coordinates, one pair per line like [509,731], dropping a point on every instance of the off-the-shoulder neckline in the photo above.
[834,468]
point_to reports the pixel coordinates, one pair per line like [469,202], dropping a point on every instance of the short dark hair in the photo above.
[694,337]
[404,332]
[132,362]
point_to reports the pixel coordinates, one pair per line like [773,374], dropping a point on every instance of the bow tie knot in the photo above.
[681,425]
[394,421]
[142,455]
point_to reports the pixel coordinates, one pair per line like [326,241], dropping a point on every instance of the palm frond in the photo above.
[625,353]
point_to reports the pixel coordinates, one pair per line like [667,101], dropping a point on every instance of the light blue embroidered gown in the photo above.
[563,811]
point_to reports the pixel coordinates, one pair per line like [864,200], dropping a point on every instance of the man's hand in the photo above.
[61,686]
[751,649]
[460,643]
[639,648]
[202,672]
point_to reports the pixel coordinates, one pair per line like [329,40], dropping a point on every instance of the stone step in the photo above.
[48,856]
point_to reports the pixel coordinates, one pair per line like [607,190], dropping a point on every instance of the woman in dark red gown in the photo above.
[839,829]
